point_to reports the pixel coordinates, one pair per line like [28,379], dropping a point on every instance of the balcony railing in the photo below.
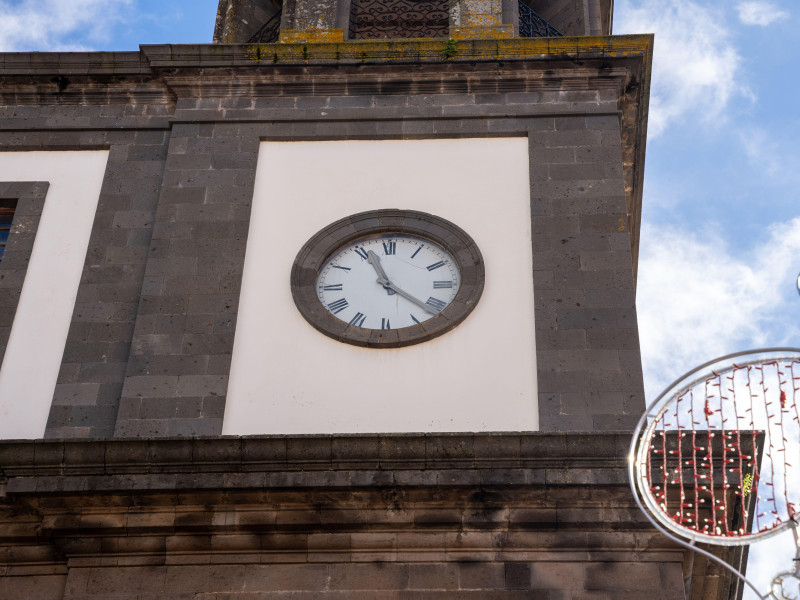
[532,25]
[382,19]
[269,32]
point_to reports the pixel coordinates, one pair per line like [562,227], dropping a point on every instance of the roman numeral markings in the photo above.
[338,306]
[435,303]
[417,252]
[389,248]
[435,266]
[361,252]
[358,320]
[413,318]
[342,268]
[440,285]
[337,287]
[385,324]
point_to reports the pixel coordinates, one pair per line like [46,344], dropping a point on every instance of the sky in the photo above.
[720,238]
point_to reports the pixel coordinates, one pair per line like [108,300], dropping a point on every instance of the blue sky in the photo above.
[720,242]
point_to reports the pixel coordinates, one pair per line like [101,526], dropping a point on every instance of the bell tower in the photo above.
[345,309]
[262,21]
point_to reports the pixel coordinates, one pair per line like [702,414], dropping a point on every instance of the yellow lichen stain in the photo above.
[311,36]
[492,32]
[321,47]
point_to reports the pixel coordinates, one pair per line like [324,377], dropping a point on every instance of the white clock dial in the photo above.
[388,281]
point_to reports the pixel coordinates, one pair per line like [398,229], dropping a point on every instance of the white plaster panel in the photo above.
[288,378]
[36,345]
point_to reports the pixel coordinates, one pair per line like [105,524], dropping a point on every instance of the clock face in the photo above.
[387,278]
[388,281]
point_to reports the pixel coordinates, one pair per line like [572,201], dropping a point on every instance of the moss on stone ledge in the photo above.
[436,50]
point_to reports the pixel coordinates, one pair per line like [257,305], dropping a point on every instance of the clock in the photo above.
[387,278]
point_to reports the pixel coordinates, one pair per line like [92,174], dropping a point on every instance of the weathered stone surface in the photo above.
[149,349]
[180,518]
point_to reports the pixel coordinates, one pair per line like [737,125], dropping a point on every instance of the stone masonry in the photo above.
[150,344]
[497,517]
[134,495]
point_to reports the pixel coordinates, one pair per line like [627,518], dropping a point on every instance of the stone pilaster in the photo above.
[471,19]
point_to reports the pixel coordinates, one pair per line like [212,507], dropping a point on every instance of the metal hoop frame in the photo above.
[635,462]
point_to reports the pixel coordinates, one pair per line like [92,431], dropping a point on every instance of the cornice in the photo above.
[171,464]
[269,56]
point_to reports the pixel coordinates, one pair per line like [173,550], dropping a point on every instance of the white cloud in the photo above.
[696,301]
[759,13]
[51,25]
[696,67]
[767,558]
[771,154]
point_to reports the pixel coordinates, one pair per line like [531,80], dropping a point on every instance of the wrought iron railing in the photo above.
[532,25]
[270,32]
[380,19]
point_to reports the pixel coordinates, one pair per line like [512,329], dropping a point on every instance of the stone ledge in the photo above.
[168,56]
[400,51]
[42,466]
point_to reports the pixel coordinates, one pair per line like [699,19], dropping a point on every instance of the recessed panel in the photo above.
[36,345]
[287,377]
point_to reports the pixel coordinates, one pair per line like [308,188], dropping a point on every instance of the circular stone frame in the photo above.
[315,253]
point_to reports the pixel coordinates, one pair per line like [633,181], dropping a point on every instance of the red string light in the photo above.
[728,486]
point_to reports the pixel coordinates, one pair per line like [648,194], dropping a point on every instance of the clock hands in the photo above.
[389,285]
[391,288]
[373,259]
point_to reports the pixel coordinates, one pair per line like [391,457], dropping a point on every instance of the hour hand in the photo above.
[373,259]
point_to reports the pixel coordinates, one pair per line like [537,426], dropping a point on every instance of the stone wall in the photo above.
[503,517]
[149,348]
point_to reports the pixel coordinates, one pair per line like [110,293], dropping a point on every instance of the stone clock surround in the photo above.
[311,258]
[188,277]
[174,403]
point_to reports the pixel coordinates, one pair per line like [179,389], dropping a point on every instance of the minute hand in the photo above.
[388,284]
